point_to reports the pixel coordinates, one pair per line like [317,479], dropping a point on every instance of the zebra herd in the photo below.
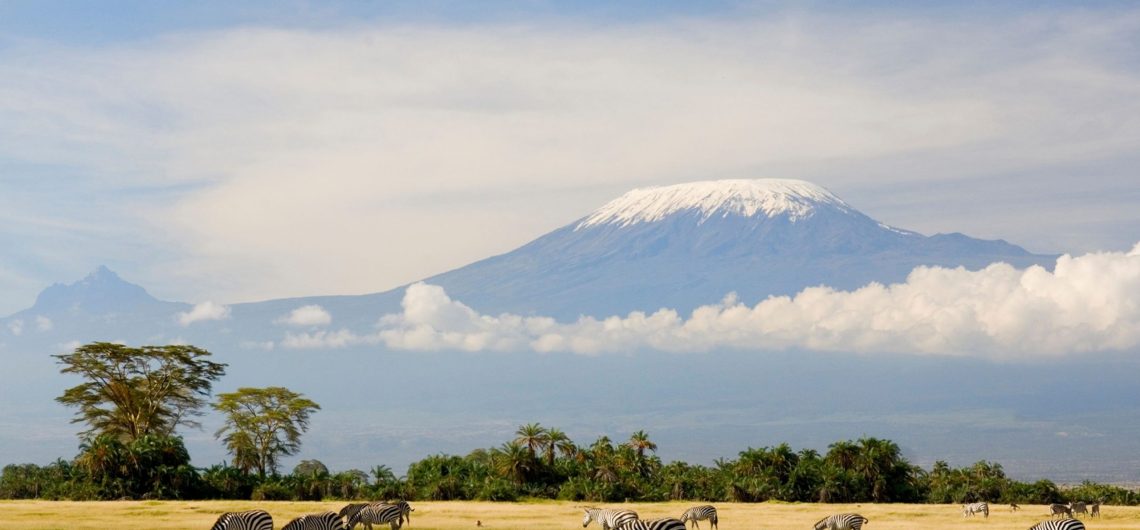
[1066,511]
[366,514]
[628,519]
[395,514]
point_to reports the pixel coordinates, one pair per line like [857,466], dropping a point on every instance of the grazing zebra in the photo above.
[842,521]
[352,509]
[968,510]
[251,520]
[609,519]
[1062,524]
[317,521]
[653,524]
[1094,509]
[379,513]
[700,513]
[1078,507]
[1059,509]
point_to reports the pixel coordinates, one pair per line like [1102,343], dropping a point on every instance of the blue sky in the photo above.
[235,151]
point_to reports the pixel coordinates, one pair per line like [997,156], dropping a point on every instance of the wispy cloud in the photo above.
[309,315]
[325,339]
[1087,304]
[203,312]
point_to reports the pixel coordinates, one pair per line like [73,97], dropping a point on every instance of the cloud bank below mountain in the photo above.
[1087,304]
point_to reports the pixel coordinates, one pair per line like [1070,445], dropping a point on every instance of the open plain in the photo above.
[200,515]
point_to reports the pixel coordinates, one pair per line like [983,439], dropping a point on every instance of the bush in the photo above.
[272,491]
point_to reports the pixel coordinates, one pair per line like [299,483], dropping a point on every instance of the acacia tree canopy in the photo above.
[129,392]
[262,425]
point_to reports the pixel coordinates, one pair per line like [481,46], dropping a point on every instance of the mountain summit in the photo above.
[101,291]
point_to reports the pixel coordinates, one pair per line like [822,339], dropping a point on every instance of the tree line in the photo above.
[134,399]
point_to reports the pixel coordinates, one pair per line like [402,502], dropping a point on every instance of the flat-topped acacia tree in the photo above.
[128,393]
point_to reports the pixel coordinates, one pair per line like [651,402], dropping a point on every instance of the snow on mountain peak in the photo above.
[797,199]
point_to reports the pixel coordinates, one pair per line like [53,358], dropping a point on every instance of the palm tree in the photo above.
[842,454]
[557,440]
[513,461]
[876,461]
[533,436]
[382,474]
[639,442]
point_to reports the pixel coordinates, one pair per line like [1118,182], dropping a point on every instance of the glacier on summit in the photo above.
[797,199]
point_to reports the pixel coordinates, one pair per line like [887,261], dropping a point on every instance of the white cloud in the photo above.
[43,323]
[204,311]
[1087,304]
[16,327]
[309,315]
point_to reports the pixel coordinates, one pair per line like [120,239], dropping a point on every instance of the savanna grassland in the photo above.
[457,515]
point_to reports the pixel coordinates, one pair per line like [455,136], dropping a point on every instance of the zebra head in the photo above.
[589,516]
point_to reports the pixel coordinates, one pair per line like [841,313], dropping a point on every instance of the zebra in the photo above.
[1059,509]
[968,510]
[1061,524]
[379,513]
[352,509]
[609,519]
[653,524]
[251,520]
[841,521]
[1094,509]
[1078,507]
[317,521]
[700,513]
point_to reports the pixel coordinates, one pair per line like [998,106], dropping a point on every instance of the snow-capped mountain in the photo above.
[677,246]
[690,244]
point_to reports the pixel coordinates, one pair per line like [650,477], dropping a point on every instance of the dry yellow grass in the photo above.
[160,515]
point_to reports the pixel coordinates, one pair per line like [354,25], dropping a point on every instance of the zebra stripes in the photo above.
[380,513]
[841,521]
[700,513]
[1063,524]
[317,521]
[251,520]
[968,510]
[609,519]
[653,524]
